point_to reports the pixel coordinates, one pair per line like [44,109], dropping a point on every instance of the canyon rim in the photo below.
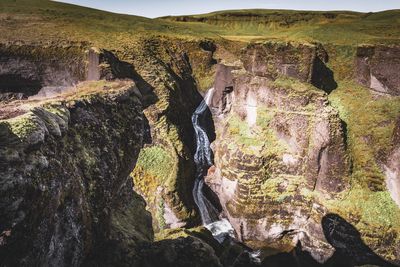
[235,138]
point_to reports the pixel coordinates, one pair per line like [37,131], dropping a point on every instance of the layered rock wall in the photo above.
[28,68]
[165,171]
[392,166]
[305,62]
[48,70]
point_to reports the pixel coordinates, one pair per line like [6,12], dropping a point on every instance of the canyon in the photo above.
[165,149]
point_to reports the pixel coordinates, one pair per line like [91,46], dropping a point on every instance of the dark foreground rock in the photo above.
[64,189]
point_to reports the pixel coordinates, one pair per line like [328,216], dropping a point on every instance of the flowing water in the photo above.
[202,159]
[220,228]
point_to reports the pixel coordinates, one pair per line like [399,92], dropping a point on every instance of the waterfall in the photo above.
[220,228]
[202,159]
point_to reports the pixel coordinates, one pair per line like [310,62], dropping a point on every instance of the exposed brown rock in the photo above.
[296,149]
[377,67]
[27,68]
[392,166]
[305,62]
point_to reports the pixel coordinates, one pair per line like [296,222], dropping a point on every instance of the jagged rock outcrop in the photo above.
[41,70]
[28,68]
[283,163]
[66,199]
[305,62]
[223,87]
[66,195]
[377,67]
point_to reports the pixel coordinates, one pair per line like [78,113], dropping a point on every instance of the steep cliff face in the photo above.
[26,69]
[45,70]
[283,161]
[377,68]
[165,174]
[305,62]
[306,160]
[66,198]
[278,146]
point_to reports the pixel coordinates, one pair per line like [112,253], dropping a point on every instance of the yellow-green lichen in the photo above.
[369,123]
[24,125]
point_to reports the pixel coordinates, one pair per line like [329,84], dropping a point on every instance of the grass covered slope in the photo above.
[340,27]
[42,20]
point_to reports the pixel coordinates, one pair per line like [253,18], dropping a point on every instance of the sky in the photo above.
[158,8]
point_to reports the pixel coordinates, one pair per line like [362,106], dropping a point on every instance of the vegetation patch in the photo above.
[369,121]
[156,161]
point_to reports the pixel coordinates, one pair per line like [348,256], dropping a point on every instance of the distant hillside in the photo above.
[334,26]
[42,20]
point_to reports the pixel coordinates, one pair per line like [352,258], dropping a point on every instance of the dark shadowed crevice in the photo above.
[14,83]
[322,77]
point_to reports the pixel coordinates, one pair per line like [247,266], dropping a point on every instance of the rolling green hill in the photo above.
[39,20]
[342,27]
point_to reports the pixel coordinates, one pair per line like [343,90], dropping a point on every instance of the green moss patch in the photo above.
[156,161]
[370,124]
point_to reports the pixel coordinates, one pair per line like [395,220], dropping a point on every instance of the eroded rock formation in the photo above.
[277,146]
[27,69]
[392,166]
[39,70]
[305,62]
[281,151]
[165,171]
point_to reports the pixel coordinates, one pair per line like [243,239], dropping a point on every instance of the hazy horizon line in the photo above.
[72,2]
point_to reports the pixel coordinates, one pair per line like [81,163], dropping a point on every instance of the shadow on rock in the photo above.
[322,76]
[347,241]
[296,258]
[344,237]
